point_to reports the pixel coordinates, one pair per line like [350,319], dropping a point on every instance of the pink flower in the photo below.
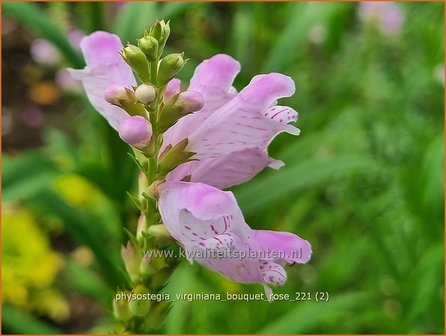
[105,66]
[209,225]
[231,133]
[44,53]
[387,15]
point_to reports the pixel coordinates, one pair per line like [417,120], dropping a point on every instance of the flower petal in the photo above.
[288,246]
[226,170]
[241,123]
[215,74]
[194,212]
[172,88]
[241,267]
[213,79]
[273,273]
[104,67]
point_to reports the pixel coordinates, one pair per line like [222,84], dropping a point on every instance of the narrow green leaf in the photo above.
[293,37]
[18,322]
[297,178]
[83,232]
[24,175]
[307,315]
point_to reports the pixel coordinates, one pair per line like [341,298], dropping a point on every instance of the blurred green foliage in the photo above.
[363,183]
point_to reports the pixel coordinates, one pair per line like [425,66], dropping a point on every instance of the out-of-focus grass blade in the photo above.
[25,175]
[242,30]
[293,37]
[32,16]
[171,9]
[133,18]
[18,322]
[181,281]
[82,231]
[87,282]
[298,177]
[307,315]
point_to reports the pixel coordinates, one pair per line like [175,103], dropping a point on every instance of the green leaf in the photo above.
[18,322]
[83,232]
[87,282]
[308,315]
[30,15]
[294,36]
[24,175]
[299,177]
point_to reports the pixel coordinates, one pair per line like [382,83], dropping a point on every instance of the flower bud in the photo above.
[121,308]
[118,95]
[160,30]
[172,89]
[190,101]
[159,231]
[137,61]
[179,106]
[169,67]
[149,46]
[140,306]
[135,131]
[141,227]
[132,259]
[145,93]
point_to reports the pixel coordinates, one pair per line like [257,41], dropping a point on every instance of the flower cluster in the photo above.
[191,145]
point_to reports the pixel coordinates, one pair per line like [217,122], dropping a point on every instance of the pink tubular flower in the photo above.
[105,66]
[231,133]
[208,223]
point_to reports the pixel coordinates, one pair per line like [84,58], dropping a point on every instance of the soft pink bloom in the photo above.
[43,52]
[105,66]
[387,16]
[231,133]
[209,225]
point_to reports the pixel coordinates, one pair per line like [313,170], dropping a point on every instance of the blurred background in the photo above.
[363,182]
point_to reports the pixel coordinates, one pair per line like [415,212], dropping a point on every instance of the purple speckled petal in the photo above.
[289,246]
[245,121]
[226,170]
[244,269]
[104,67]
[194,212]
[272,273]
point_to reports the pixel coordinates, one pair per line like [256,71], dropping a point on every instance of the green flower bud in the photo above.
[145,93]
[141,305]
[174,156]
[137,61]
[160,30]
[121,308]
[169,67]
[149,46]
[132,258]
[159,231]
